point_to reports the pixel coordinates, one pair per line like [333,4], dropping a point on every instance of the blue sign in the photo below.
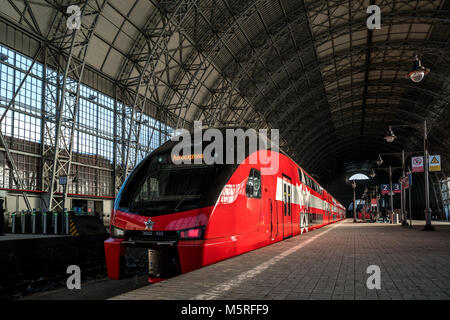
[396,188]
[385,188]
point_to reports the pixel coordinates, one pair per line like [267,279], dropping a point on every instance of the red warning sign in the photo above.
[417,164]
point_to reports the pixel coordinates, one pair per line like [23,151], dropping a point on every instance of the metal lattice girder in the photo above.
[26,15]
[311,136]
[359,51]
[150,50]
[349,151]
[426,15]
[220,106]
[62,94]
[404,84]
[184,86]
[296,65]
[315,147]
[246,65]
[345,54]
[295,106]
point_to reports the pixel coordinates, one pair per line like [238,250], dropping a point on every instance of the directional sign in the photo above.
[396,188]
[417,164]
[435,163]
[385,189]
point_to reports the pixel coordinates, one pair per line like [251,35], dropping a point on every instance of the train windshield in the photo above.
[160,187]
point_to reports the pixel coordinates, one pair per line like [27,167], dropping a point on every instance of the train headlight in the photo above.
[191,234]
[117,232]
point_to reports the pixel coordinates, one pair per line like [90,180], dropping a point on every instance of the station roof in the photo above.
[310,68]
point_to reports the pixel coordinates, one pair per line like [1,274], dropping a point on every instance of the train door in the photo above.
[287,207]
[269,208]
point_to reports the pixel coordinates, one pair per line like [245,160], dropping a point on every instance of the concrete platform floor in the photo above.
[329,263]
[99,289]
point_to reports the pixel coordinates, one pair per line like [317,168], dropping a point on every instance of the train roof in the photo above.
[268,142]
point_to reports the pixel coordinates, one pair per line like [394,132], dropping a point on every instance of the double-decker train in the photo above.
[171,218]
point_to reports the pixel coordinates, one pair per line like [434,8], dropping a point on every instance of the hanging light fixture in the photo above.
[390,136]
[372,174]
[418,71]
[379,160]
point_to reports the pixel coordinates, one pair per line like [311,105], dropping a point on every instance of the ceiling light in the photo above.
[390,136]
[379,160]
[372,174]
[418,72]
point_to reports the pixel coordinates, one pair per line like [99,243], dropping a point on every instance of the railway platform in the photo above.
[32,261]
[328,263]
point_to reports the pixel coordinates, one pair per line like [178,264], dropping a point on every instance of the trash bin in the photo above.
[36,222]
[57,223]
[15,222]
[26,221]
[46,222]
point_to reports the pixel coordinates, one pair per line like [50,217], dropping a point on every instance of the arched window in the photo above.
[359,176]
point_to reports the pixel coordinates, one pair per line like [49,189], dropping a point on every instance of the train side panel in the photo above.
[238,223]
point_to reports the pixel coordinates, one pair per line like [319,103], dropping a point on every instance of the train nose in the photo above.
[152,253]
[149,224]
[155,263]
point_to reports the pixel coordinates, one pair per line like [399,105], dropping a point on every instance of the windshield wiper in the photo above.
[179,203]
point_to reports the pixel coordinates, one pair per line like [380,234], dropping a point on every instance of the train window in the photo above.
[300,176]
[318,189]
[253,188]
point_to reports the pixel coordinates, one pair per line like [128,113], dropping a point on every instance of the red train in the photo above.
[170,219]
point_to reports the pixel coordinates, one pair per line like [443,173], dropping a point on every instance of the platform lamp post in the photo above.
[376,195]
[403,192]
[409,198]
[391,192]
[354,200]
[390,137]
[365,196]
[378,204]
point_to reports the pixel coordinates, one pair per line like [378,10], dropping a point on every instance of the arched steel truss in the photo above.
[309,68]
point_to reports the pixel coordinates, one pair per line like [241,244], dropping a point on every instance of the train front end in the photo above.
[160,218]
